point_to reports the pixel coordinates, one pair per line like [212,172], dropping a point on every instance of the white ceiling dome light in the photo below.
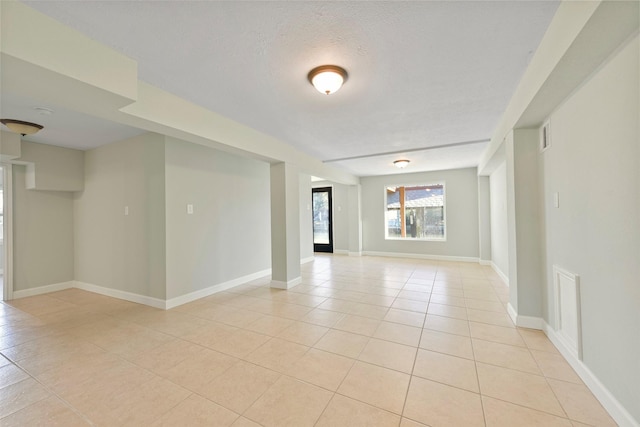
[21,127]
[327,79]
[401,164]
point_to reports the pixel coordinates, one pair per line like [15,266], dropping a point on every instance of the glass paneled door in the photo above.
[322,218]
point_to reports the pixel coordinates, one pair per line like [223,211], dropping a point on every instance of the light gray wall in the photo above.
[355,223]
[229,234]
[112,250]
[461,213]
[2,205]
[593,164]
[340,196]
[43,235]
[306,217]
[9,146]
[285,224]
[484,218]
[499,237]
[524,222]
[52,168]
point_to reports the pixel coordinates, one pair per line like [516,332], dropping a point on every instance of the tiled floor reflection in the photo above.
[363,341]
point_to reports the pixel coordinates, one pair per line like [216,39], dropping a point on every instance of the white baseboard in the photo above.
[43,289]
[143,299]
[277,284]
[524,321]
[340,252]
[421,256]
[357,253]
[530,322]
[608,401]
[499,272]
[304,260]
[512,314]
[124,295]
[192,296]
[484,262]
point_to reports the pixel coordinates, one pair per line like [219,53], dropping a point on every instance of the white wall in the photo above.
[229,234]
[484,219]
[52,168]
[43,235]
[306,218]
[594,163]
[114,250]
[525,224]
[461,186]
[499,237]
[340,196]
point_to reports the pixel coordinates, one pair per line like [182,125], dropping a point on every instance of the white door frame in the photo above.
[7,184]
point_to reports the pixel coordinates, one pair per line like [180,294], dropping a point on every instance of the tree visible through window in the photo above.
[415,212]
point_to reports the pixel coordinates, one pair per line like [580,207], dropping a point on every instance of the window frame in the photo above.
[415,239]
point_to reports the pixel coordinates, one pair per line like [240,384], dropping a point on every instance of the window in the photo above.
[415,212]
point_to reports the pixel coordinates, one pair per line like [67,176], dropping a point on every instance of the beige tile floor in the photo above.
[362,341]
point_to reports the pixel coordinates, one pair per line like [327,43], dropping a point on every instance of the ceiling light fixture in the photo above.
[23,128]
[401,164]
[327,79]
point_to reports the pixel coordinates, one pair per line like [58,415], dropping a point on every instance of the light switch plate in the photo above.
[556,200]
[126,210]
[190,209]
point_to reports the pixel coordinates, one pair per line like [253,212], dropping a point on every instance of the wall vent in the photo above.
[568,325]
[545,136]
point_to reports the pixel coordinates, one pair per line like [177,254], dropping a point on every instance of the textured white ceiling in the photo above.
[64,128]
[421,74]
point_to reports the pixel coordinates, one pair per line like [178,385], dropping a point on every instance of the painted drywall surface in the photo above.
[53,168]
[228,235]
[461,186]
[65,51]
[527,276]
[43,235]
[340,215]
[570,18]
[355,220]
[484,218]
[9,146]
[306,217]
[104,82]
[285,224]
[499,237]
[114,250]
[593,164]
[511,221]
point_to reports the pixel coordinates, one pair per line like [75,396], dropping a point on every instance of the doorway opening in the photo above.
[322,219]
